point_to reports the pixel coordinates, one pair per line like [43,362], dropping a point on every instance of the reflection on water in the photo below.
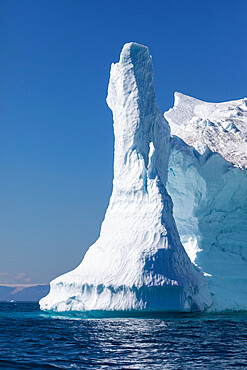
[32,339]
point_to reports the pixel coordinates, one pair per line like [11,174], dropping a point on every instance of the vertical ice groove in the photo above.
[138,262]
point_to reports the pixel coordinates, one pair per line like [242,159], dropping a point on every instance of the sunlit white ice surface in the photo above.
[191,186]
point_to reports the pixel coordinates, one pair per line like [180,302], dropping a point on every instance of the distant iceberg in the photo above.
[188,187]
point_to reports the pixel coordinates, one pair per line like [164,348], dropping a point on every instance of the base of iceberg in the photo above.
[168,298]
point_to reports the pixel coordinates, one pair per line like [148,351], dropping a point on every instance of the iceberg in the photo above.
[174,233]
[138,262]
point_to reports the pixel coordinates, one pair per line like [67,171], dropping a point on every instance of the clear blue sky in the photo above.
[56,139]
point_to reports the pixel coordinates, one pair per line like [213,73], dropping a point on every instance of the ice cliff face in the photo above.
[191,186]
[209,192]
[138,262]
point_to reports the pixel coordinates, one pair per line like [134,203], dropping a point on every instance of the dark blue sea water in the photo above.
[31,339]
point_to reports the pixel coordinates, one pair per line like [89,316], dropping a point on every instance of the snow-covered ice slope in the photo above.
[222,127]
[209,192]
[138,262]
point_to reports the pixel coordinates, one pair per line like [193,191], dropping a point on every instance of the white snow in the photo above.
[138,262]
[222,127]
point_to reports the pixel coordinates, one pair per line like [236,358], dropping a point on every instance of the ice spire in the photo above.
[138,262]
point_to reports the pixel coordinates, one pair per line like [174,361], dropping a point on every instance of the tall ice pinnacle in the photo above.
[138,262]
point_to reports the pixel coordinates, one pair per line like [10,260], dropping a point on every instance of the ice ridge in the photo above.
[221,127]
